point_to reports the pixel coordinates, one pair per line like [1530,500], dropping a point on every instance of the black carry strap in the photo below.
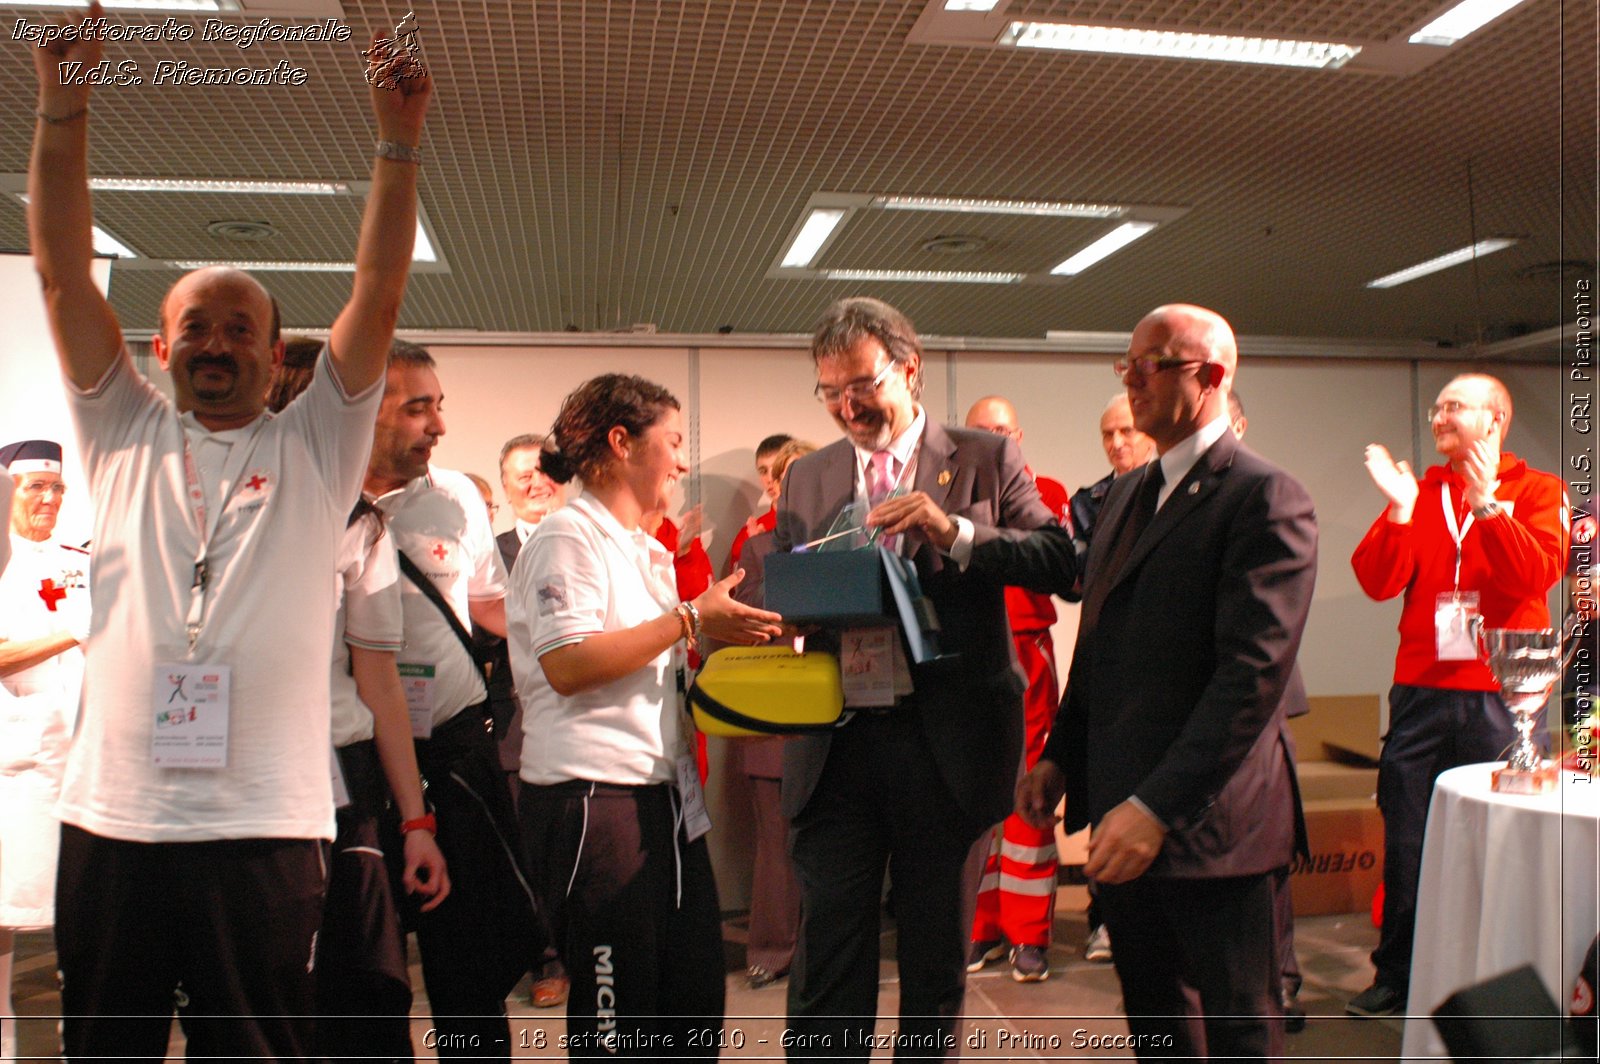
[435,596]
[728,715]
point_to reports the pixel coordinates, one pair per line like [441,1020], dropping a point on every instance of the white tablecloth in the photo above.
[1506,881]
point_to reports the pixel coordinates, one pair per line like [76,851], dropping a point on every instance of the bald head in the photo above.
[1493,393]
[242,280]
[995,414]
[1189,355]
[1197,332]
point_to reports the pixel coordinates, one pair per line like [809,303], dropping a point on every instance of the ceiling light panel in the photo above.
[1040,208]
[814,233]
[269,188]
[1443,262]
[1461,20]
[925,276]
[1106,246]
[1219,48]
[265,265]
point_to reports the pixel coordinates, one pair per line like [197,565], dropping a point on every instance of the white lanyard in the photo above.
[206,524]
[1456,534]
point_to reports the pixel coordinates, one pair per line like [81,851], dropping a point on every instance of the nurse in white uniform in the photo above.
[44,616]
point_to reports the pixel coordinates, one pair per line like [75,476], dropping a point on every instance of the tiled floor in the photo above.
[1057,1019]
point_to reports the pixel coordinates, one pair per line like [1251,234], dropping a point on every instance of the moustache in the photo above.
[225,362]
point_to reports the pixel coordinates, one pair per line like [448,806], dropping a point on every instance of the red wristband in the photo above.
[425,822]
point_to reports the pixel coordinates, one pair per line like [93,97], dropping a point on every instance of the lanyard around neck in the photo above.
[205,524]
[1456,533]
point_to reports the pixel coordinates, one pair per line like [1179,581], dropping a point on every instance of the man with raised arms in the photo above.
[197,802]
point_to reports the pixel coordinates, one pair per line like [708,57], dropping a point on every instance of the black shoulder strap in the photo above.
[426,586]
[728,715]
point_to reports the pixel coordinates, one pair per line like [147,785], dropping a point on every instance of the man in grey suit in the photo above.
[1171,739]
[910,785]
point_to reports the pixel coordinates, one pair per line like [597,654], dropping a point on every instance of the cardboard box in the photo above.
[1346,863]
[1338,728]
[1329,780]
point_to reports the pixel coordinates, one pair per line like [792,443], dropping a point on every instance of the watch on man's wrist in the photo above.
[1488,511]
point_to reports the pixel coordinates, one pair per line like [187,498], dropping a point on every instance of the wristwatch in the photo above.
[1488,510]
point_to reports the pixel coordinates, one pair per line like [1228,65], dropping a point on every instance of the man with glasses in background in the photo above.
[533,497]
[1171,740]
[907,786]
[1481,539]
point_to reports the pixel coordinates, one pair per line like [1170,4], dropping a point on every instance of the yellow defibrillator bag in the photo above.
[752,691]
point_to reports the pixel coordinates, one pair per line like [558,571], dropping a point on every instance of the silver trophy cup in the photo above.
[1527,662]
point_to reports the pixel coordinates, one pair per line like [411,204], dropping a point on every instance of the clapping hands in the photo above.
[1395,480]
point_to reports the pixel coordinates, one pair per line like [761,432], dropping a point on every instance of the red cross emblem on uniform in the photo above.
[439,551]
[256,482]
[51,594]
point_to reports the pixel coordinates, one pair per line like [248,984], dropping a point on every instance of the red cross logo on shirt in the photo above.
[256,482]
[439,551]
[51,594]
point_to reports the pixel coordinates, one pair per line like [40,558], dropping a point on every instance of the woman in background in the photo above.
[774,887]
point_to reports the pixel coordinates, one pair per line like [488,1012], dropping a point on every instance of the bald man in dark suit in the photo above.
[1171,740]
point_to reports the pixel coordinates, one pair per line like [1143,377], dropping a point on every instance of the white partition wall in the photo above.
[32,402]
[1313,416]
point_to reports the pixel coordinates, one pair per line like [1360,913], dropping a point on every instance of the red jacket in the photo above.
[1511,561]
[1030,612]
[765,523]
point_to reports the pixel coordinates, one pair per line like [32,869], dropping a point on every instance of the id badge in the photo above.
[866,662]
[189,703]
[341,792]
[696,821]
[419,681]
[1456,622]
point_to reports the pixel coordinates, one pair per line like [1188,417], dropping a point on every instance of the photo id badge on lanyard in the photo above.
[190,696]
[1456,617]
[696,820]
[191,715]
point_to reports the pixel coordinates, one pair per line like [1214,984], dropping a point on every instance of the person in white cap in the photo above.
[44,616]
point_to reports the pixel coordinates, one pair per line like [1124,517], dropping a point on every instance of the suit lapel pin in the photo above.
[1194,489]
[944,477]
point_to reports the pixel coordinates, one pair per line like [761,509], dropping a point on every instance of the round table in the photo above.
[1507,880]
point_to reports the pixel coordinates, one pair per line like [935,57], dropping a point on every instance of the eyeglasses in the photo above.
[1150,365]
[855,391]
[1453,407]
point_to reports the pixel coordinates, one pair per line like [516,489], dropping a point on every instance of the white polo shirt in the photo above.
[269,609]
[368,617]
[579,575]
[440,522]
